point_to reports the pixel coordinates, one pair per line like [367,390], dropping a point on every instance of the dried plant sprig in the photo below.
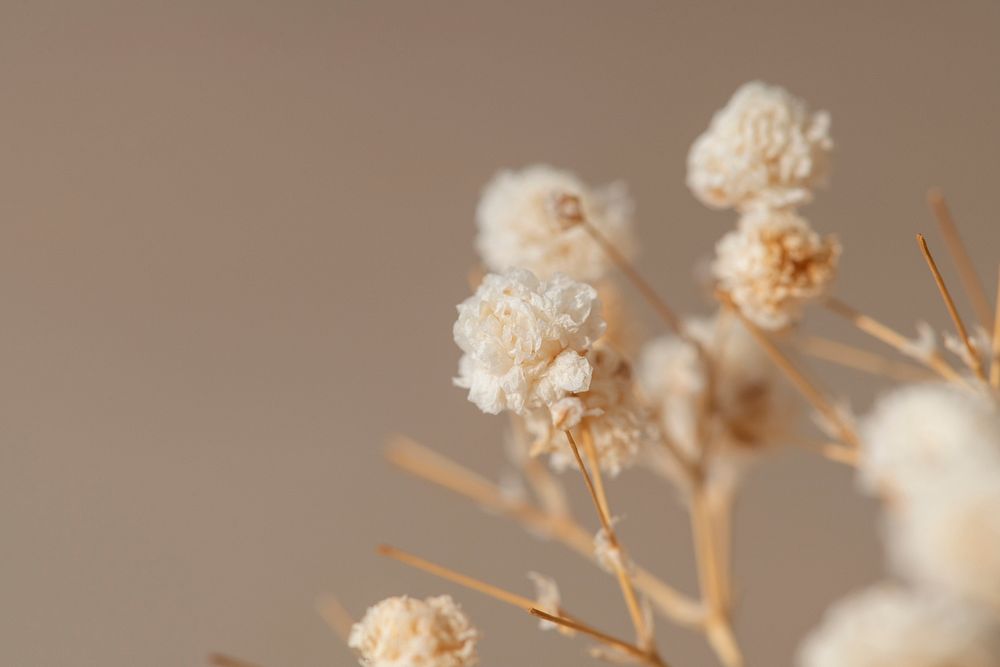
[963,334]
[650,658]
[595,486]
[433,467]
[860,359]
[335,615]
[974,287]
[890,337]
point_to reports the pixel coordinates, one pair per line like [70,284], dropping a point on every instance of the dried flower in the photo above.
[773,264]
[887,626]
[918,433]
[405,632]
[948,537]
[524,341]
[549,601]
[748,409]
[523,223]
[608,411]
[763,148]
[610,556]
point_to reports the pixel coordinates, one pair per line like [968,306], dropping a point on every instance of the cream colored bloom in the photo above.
[522,223]
[918,433]
[750,407]
[616,421]
[763,148]
[548,600]
[887,626]
[773,264]
[610,557]
[947,538]
[525,341]
[405,632]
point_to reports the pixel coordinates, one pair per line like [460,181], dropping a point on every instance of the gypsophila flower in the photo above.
[749,408]
[947,538]
[917,433]
[610,556]
[405,632]
[773,264]
[886,626]
[609,412]
[763,148]
[522,223]
[547,599]
[525,341]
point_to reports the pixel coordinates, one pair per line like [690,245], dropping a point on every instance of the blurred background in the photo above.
[232,236]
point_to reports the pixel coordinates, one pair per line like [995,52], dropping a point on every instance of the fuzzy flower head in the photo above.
[524,341]
[763,148]
[921,434]
[887,626]
[750,406]
[405,632]
[773,264]
[528,219]
[609,411]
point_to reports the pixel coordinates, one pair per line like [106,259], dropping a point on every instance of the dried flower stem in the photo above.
[456,577]
[890,337]
[335,615]
[650,658]
[816,397]
[995,363]
[977,364]
[221,660]
[547,490]
[974,287]
[597,494]
[859,359]
[433,467]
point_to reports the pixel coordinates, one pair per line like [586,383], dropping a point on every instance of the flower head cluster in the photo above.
[405,632]
[763,148]
[609,411]
[525,341]
[748,409]
[528,219]
[774,263]
[887,626]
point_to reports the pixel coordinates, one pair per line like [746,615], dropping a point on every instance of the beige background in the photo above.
[232,235]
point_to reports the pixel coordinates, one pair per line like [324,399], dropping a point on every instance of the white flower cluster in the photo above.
[405,632]
[749,407]
[763,148]
[525,341]
[773,264]
[609,411]
[763,154]
[932,452]
[887,626]
[527,219]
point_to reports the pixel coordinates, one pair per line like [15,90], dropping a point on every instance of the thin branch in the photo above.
[816,397]
[222,660]
[859,359]
[426,464]
[472,583]
[977,364]
[890,337]
[335,615]
[601,504]
[621,644]
[974,287]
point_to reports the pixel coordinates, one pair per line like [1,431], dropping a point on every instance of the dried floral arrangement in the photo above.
[547,341]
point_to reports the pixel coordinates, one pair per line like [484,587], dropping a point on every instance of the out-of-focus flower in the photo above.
[919,434]
[610,557]
[773,264]
[523,223]
[525,341]
[763,148]
[887,626]
[405,632]
[614,419]
[749,411]
[548,600]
